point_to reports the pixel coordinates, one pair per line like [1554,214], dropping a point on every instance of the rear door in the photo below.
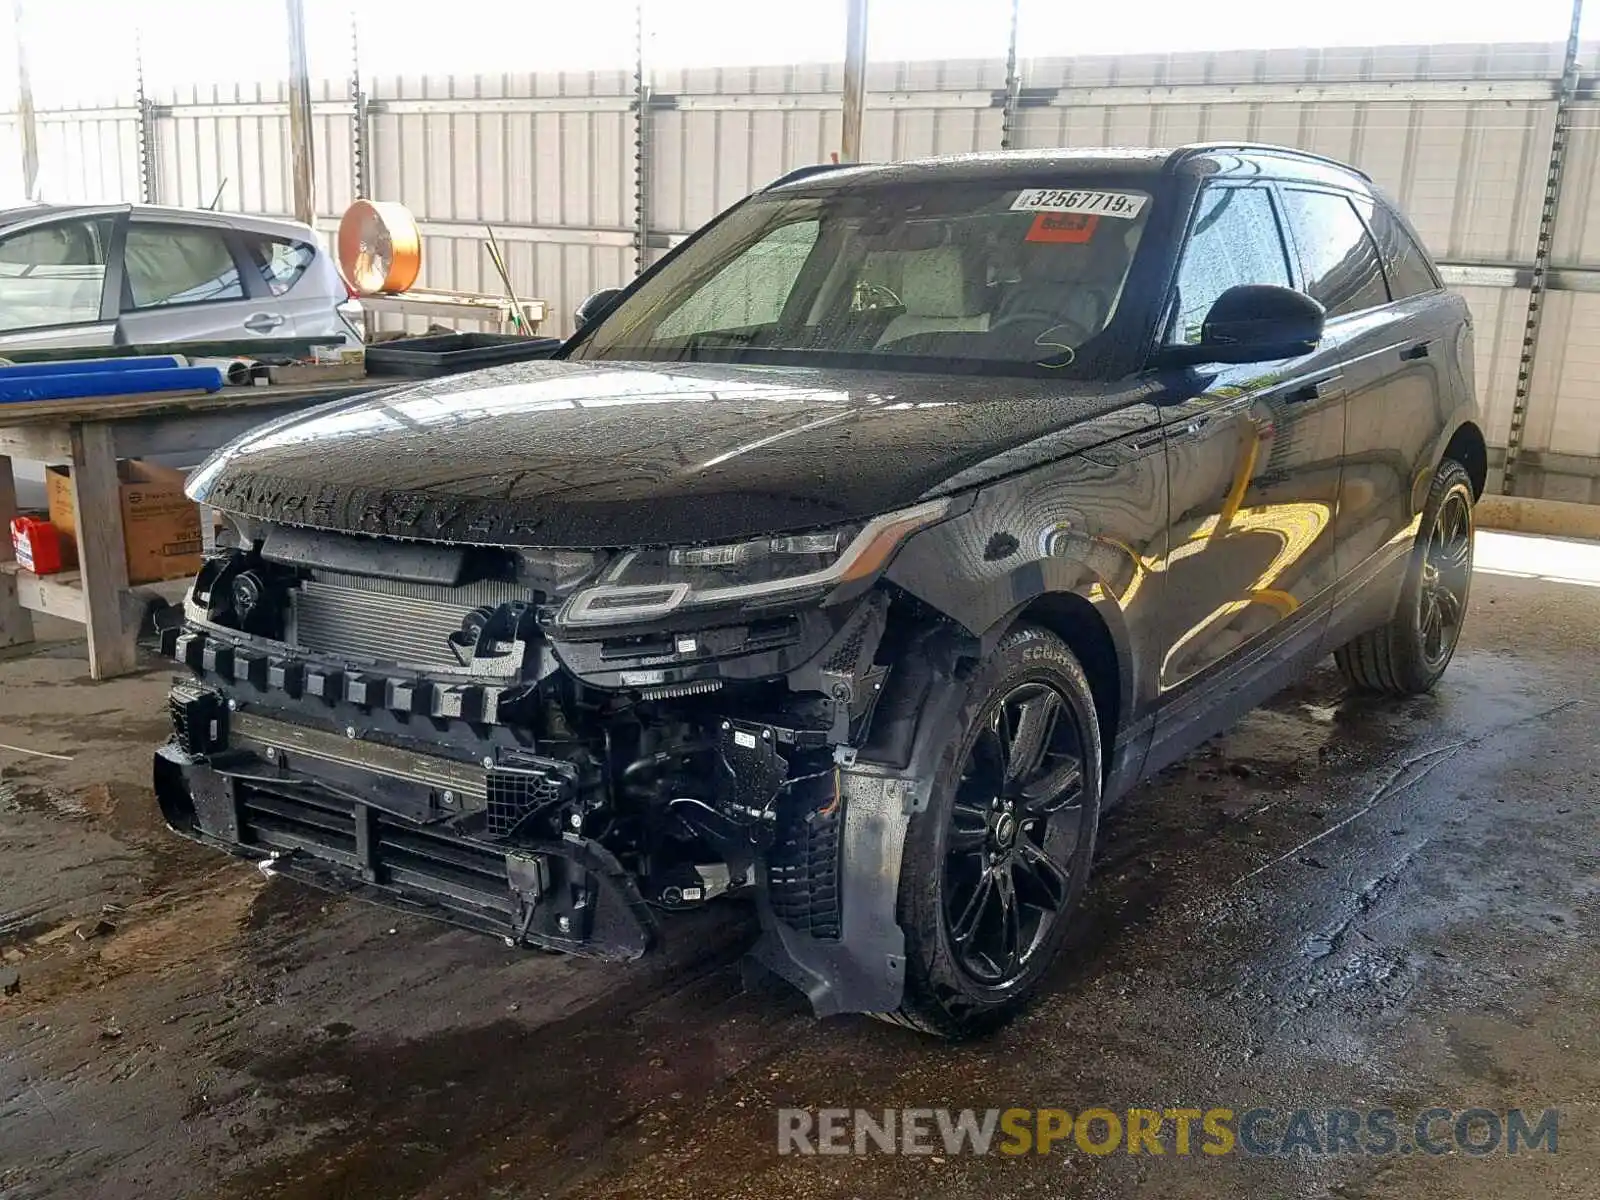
[193,282]
[1395,420]
[59,279]
[300,279]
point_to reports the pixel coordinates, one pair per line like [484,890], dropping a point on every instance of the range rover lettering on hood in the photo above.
[589,454]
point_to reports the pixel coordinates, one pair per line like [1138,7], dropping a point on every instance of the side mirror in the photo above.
[594,305]
[1254,322]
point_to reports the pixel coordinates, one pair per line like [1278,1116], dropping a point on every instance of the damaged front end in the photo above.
[556,747]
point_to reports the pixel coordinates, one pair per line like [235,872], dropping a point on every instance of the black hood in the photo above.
[593,454]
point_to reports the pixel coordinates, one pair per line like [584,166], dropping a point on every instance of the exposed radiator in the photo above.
[387,621]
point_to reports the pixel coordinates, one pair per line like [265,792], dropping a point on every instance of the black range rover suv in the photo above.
[853,559]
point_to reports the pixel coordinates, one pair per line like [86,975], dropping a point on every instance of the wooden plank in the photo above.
[102,555]
[189,437]
[41,443]
[80,406]
[58,595]
[61,595]
[462,308]
[248,347]
[17,417]
[16,625]
[302,374]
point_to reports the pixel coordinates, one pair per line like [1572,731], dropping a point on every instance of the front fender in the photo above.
[1093,527]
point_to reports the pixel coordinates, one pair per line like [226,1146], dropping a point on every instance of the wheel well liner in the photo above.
[1074,620]
[1467,447]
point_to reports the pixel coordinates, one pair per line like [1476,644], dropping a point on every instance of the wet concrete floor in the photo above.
[1344,903]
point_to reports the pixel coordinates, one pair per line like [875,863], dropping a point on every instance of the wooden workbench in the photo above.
[92,434]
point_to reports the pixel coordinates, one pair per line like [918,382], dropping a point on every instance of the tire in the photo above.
[1028,707]
[1407,655]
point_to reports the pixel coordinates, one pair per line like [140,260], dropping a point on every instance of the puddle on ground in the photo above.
[96,800]
[22,797]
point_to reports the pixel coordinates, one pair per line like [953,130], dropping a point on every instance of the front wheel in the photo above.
[1406,656]
[994,867]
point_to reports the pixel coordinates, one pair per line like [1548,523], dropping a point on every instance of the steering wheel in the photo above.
[870,297]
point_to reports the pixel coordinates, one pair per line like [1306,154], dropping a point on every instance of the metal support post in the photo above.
[641,146]
[360,154]
[25,116]
[300,160]
[149,188]
[1541,254]
[1008,116]
[855,80]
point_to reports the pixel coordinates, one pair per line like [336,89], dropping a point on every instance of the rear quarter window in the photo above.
[280,261]
[1405,262]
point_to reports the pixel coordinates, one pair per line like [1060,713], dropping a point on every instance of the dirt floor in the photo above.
[1344,903]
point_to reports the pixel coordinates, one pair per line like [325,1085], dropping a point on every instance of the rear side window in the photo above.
[53,274]
[1337,257]
[281,262]
[1403,260]
[175,264]
[1235,240]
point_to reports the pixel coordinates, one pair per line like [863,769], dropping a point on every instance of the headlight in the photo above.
[646,584]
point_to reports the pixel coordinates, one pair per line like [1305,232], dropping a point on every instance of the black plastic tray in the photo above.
[452,353]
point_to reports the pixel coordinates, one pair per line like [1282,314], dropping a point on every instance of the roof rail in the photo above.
[1195,148]
[800,173]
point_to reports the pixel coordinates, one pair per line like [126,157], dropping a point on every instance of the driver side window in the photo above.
[1236,239]
[750,290]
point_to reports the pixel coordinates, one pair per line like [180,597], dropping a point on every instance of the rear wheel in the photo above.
[1407,655]
[994,868]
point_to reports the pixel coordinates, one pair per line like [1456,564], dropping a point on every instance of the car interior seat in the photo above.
[940,295]
[1073,283]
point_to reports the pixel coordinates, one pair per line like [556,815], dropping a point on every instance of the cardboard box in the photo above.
[160,525]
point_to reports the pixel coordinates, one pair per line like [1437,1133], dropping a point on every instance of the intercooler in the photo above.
[389,621]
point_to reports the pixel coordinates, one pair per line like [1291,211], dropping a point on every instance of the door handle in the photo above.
[1147,441]
[1413,352]
[262,322]
[1193,427]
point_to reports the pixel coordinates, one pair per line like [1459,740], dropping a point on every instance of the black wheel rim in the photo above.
[1011,848]
[1446,574]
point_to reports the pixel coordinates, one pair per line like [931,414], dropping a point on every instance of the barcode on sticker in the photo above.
[1070,200]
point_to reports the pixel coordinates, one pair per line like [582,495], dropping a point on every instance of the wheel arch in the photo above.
[1467,447]
[1078,622]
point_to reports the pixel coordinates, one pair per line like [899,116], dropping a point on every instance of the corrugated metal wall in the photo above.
[1459,134]
[548,160]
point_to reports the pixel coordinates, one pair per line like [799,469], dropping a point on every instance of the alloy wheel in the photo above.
[1446,575]
[1015,825]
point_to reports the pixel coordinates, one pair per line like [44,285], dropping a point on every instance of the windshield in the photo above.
[980,275]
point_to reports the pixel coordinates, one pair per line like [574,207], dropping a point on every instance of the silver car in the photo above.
[128,274]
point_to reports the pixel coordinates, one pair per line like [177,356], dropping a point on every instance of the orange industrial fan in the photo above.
[380,249]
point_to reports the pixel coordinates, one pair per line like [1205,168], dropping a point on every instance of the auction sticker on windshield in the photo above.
[1062,200]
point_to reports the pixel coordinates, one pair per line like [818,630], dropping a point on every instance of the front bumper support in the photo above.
[569,895]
